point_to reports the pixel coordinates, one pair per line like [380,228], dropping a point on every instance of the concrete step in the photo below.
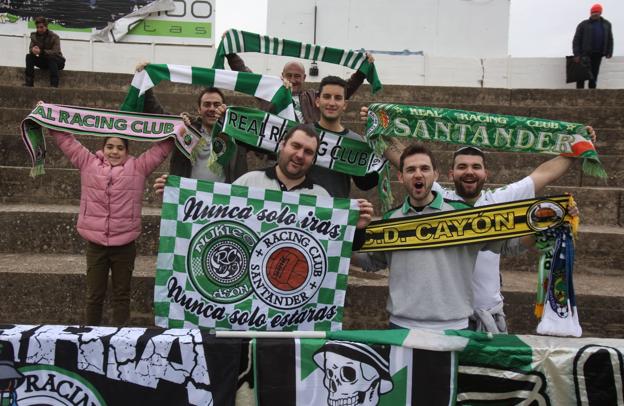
[503,167]
[50,229]
[13,76]
[19,97]
[62,186]
[57,186]
[32,282]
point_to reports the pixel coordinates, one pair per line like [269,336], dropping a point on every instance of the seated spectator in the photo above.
[44,52]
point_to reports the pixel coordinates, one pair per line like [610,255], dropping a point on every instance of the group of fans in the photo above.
[447,288]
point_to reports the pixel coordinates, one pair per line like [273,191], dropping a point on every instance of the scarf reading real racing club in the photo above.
[85,121]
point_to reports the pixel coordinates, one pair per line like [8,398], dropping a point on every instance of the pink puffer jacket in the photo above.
[111,197]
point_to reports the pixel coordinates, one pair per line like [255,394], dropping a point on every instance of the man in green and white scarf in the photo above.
[332,103]
[294,76]
[204,163]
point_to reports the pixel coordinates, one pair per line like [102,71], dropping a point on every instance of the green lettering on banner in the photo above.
[183,29]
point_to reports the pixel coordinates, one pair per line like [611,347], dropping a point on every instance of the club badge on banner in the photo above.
[239,258]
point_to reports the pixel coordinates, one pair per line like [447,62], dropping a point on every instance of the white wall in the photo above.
[504,72]
[457,28]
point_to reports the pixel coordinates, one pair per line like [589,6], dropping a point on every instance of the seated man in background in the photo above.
[44,52]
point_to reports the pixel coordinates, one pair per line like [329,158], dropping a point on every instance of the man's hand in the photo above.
[366,213]
[592,133]
[363,113]
[36,50]
[159,184]
[573,210]
[140,66]
[287,83]
[370,58]
[186,117]
[577,59]
[220,111]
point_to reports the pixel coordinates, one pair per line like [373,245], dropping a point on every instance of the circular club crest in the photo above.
[218,146]
[287,268]
[52,385]
[188,139]
[544,215]
[218,261]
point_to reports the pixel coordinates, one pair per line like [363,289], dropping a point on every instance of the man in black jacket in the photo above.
[593,40]
[45,52]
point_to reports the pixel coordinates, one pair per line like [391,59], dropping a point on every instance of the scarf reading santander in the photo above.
[239,258]
[264,130]
[483,130]
[235,41]
[101,123]
[265,87]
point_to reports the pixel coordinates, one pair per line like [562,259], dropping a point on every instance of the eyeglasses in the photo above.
[40,26]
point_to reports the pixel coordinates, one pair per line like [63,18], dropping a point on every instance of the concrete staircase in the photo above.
[41,255]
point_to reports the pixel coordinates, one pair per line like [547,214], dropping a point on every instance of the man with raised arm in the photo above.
[294,76]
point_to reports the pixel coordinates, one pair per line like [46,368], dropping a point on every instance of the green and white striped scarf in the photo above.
[264,130]
[235,41]
[483,130]
[266,87]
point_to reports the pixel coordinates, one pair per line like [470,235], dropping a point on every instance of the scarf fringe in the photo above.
[593,167]
[37,170]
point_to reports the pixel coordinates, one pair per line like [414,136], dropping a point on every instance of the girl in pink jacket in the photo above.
[111,196]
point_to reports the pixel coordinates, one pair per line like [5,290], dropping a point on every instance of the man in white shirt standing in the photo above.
[469,174]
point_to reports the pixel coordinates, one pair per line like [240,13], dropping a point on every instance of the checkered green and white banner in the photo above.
[239,258]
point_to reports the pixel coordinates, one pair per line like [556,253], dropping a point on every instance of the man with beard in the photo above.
[297,152]
[469,174]
[296,155]
[429,288]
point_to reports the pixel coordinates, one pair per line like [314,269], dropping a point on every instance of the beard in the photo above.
[469,191]
[294,173]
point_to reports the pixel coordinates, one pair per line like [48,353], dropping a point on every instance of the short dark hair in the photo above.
[308,130]
[41,20]
[332,80]
[468,150]
[210,90]
[125,141]
[417,148]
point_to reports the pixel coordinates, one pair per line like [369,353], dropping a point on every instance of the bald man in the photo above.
[294,76]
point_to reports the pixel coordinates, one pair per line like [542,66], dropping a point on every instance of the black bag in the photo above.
[576,71]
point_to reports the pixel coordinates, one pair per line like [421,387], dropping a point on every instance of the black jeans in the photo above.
[51,63]
[594,60]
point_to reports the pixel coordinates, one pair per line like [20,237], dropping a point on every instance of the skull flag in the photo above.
[326,372]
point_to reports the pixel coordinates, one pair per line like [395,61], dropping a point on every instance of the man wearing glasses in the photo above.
[44,52]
